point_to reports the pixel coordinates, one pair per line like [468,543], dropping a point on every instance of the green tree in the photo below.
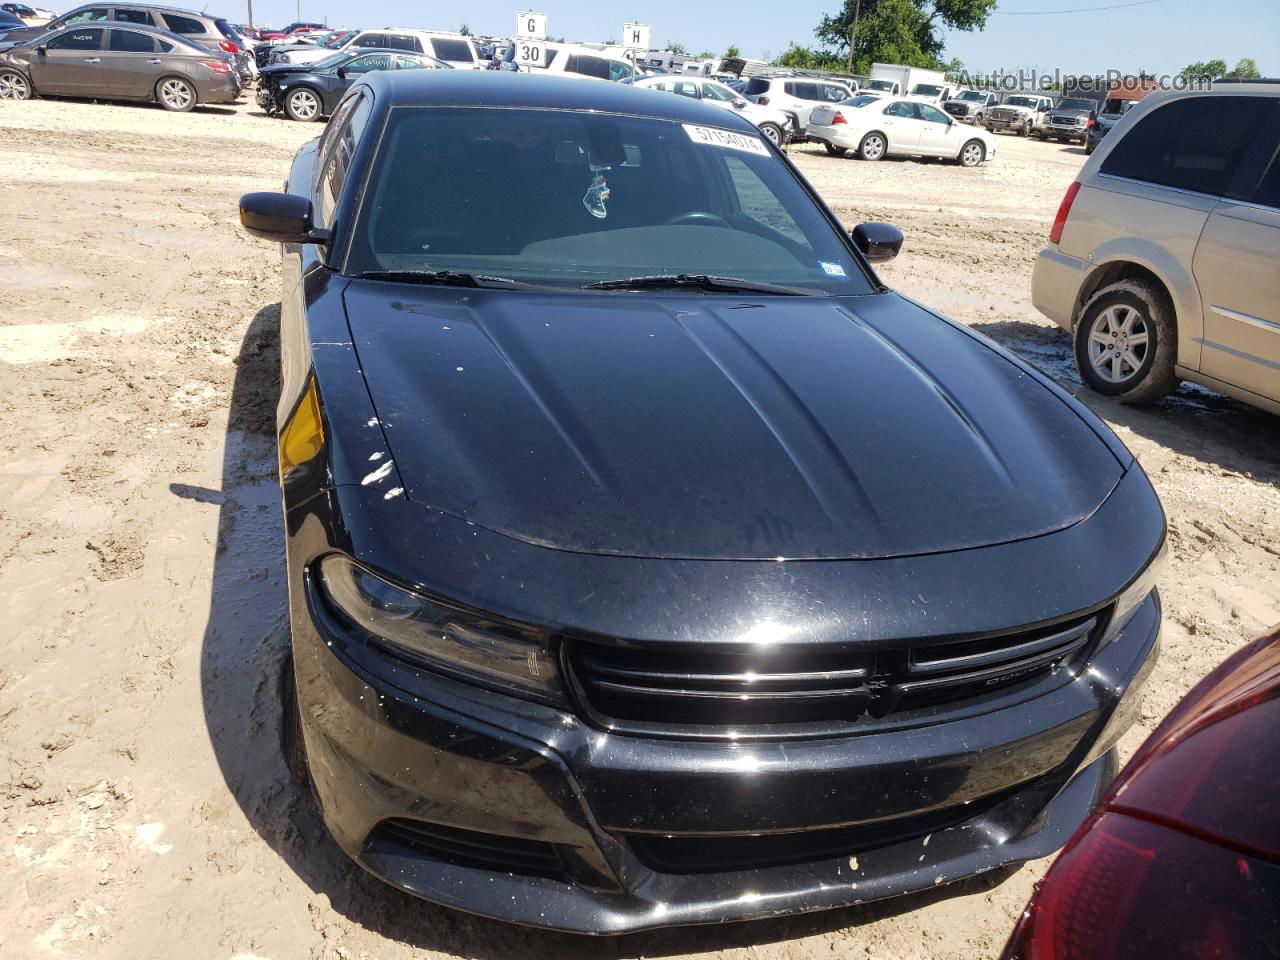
[674,47]
[733,51]
[803,58]
[707,55]
[465,30]
[1246,68]
[1205,70]
[955,71]
[900,31]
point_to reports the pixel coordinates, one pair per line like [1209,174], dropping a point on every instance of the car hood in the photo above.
[713,427]
[278,68]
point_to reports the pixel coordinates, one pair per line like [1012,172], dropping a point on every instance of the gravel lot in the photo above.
[144,807]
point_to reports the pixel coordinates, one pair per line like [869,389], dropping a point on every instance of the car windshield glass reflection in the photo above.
[574,198]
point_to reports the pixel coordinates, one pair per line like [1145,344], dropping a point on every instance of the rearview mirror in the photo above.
[283,217]
[877,241]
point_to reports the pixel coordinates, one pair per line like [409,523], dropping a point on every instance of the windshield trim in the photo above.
[373,144]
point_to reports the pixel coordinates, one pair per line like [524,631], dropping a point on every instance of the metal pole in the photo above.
[853,34]
[250,13]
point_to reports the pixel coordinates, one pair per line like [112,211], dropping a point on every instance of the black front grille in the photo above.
[956,109]
[740,690]
[472,848]
[725,853]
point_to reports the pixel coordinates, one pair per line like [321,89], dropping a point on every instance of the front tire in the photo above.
[14,85]
[972,154]
[835,151]
[303,105]
[873,146]
[773,133]
[1126,342]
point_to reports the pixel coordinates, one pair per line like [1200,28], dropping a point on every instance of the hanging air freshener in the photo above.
[597,194]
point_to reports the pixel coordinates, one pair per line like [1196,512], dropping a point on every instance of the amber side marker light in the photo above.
[303,434]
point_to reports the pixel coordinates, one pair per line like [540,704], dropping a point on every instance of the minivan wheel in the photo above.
[302,105]
[1126,342]
[772,132]
[176,94]
[872,146]
[836,151]
[972,153]
[14,86]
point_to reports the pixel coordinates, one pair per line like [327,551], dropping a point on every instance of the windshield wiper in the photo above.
[447,278]
[699,281]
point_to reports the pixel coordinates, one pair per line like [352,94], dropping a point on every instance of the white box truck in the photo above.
[896,80]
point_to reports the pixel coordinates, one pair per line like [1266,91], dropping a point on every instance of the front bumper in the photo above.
[1018,123]
[1072,130]
[388,742]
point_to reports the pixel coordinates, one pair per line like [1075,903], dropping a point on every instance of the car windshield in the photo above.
[879,85]
[926,90]
[574,198]
[324,63]
[717,91]
[1020,102]
[1116,106]
[859,101]
[1076,105]
[972,95]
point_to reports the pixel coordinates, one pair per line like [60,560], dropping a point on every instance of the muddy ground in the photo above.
[144,807]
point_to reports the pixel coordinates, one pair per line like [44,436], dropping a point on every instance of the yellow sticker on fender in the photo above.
[714,137]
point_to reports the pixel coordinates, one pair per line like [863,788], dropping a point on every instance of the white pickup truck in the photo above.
[1023,113]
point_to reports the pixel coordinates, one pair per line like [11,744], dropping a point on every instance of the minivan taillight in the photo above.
[1064,208]
[838,118]
[763,101]
[226,46]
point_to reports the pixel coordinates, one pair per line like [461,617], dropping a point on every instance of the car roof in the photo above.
[139,27]
[147,6]
[550,92]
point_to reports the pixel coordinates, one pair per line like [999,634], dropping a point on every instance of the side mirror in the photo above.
[342,73]
[283,217]
[41,50]
[739,102]
[877,241]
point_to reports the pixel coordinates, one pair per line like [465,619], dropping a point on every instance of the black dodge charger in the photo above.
[310,91]
[650,561]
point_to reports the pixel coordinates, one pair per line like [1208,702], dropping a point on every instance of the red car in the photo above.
[298,26]
[1181,860]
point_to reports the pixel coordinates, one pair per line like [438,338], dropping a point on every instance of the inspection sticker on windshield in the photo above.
[723,138]
[832,269]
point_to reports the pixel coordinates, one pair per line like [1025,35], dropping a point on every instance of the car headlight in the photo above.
[469,645]
[1134,595]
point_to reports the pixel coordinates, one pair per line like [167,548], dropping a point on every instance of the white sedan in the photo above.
[774,124]
[874,127]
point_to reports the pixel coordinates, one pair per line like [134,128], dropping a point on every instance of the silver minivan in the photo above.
[1164,258]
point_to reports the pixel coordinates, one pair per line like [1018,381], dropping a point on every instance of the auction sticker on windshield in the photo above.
[724,138]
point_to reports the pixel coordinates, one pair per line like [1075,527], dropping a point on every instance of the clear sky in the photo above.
[1158,35]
